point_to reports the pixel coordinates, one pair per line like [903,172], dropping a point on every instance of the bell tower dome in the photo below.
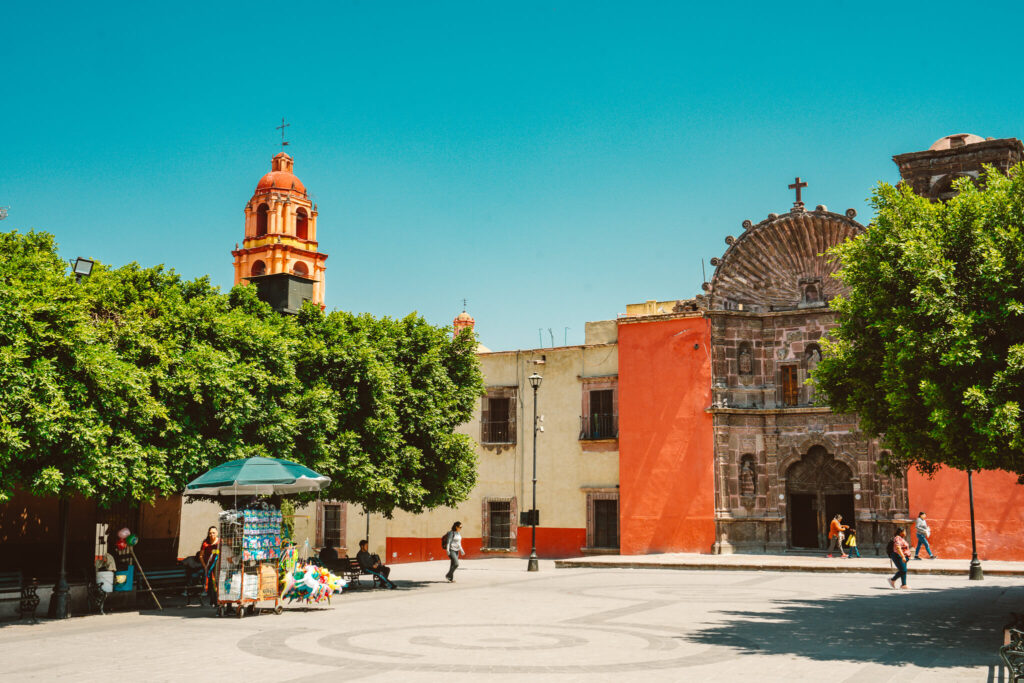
[279,251]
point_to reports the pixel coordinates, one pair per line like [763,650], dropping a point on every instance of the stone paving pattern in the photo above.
[500,623]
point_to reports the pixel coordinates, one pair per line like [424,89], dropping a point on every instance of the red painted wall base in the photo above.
[551,544]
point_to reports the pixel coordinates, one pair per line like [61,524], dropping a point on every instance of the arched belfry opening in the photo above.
[817,488]
[261,220]
[301,224]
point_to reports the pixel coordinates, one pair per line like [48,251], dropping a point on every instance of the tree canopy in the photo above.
[129,385]
[929,347]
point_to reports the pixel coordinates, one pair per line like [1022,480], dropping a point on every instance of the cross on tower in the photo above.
[286,125]
[463,304]
[796,186]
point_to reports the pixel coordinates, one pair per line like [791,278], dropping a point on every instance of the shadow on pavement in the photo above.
[927,628]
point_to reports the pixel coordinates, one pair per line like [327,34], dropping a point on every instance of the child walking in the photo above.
[851,543]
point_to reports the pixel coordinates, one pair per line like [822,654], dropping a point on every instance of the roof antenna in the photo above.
[565,339]
[540,336]
[552,335]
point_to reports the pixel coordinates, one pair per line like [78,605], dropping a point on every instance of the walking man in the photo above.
[923,532]
[453,544]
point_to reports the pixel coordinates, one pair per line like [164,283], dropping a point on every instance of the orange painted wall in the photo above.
[998,513]
[551,544]
[666,456]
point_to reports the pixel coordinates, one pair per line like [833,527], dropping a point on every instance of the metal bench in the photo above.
[12,583]
[1012,655]
[168,580]
[353,571]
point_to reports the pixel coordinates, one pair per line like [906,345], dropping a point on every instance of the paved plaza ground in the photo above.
[499,623]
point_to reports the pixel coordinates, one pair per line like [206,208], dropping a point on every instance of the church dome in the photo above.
[464,316]
[281,177]
[953,141]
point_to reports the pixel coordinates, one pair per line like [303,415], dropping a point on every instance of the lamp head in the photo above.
[82,267]
[535,380]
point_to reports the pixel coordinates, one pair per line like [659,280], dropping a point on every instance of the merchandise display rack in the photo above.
[250,546]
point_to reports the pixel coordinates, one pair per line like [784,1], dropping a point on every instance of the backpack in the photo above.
[444,541]
[891,548]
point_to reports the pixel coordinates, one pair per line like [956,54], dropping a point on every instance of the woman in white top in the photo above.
[454,547]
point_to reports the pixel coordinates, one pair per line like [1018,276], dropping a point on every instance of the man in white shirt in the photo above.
[923,532]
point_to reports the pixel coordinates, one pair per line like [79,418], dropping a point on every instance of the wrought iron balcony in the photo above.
[599,426]
[497,431]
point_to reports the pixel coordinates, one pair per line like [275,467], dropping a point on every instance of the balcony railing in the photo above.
[599,426]
[497,431]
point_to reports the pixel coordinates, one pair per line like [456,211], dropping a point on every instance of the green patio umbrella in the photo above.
[256,476]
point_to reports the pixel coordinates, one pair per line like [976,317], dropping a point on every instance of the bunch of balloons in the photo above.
[310,583]
[126,538]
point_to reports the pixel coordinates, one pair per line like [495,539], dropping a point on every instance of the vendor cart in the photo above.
[250,546]
[250,536]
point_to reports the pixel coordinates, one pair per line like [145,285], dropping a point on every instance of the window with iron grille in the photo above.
[601,422]
[499,532]
[790,387]
[498,416]
[332,526]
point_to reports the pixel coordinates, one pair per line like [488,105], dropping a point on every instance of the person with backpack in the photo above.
[452,542]
[899,552]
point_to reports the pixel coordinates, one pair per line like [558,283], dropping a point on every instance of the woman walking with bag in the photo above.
[453,544]
[899,553]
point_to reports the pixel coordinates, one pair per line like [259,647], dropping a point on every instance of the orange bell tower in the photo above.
[279,252]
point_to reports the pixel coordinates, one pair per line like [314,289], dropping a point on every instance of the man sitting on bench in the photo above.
[371,564]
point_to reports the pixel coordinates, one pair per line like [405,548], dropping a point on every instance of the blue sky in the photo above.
[551,162]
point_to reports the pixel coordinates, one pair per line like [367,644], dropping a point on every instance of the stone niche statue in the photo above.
[746,360]
[748,478]
[812,356]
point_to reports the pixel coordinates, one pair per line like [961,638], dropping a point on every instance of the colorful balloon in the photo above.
[124,533]
[122,544]
[132,540]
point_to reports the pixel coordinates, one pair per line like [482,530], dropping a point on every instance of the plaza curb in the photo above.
[847,567]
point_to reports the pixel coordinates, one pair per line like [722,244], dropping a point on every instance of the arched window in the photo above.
[300,269]
[261,220]
[301,224]
[258,268]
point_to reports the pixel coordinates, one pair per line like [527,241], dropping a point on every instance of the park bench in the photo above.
[1012,654]
[353,571]
[167,580]
[13,587]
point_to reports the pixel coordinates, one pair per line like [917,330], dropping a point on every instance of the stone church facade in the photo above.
[783,465]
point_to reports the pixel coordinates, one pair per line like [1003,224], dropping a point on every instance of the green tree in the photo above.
[71,409]
[129,385]
[929,348]
[383,398]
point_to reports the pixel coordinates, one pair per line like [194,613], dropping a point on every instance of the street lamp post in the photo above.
[976,573]
[81,267]
[532,566]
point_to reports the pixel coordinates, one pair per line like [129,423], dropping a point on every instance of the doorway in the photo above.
[817,488]
[803,520]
